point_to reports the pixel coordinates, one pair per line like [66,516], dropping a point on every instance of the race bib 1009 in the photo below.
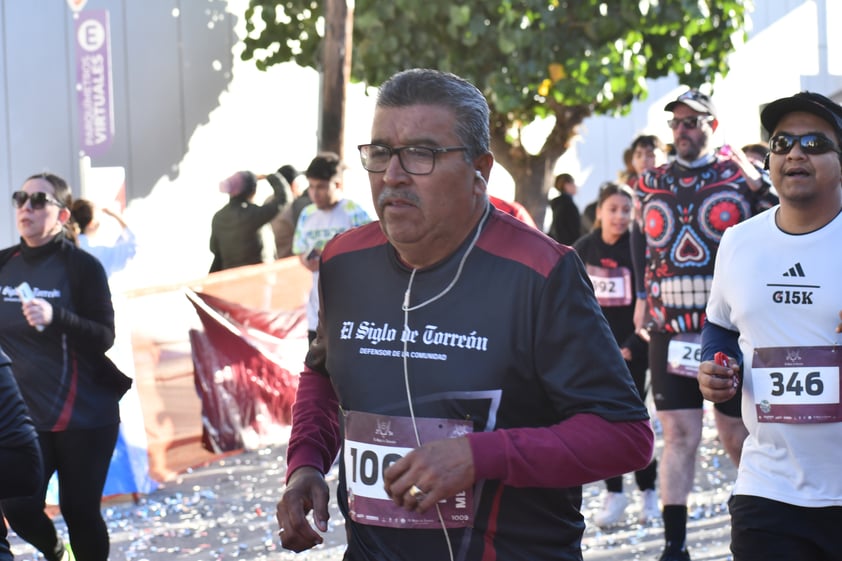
[372,444]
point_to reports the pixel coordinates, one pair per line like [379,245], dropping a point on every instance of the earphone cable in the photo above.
[458,274]
[406,309]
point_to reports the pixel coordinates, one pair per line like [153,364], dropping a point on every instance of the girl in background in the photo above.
[606,253]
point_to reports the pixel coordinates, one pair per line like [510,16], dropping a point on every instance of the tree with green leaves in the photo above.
[533,59]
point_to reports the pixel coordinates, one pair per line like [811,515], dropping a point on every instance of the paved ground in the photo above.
[225,511]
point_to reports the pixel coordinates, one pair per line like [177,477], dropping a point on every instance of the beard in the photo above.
[690,150]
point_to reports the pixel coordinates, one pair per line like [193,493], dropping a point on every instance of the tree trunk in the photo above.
[532,188]
[336,61]
[532,174]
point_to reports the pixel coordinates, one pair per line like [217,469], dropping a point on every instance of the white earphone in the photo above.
[478,173]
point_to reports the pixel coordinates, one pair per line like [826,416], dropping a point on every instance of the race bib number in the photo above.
[612,287]
[797,384]
[372,444]
[684,354]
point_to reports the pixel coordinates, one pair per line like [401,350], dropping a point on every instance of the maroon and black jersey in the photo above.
[517,346]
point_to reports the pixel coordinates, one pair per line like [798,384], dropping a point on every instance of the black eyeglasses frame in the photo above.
[392,151]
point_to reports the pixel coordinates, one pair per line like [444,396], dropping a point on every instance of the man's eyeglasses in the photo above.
[415,160]
[689,122]
[37,200]
[811,143]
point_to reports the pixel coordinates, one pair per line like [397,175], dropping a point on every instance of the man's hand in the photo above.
[306,491]
[435,471]
[718,382]
[311,260]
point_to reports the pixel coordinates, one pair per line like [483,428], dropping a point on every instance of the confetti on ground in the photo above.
[225,511]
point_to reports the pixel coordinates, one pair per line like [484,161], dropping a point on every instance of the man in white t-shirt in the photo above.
[330,214]
[773,322]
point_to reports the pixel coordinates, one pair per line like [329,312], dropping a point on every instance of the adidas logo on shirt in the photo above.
[795,271]
[790,296]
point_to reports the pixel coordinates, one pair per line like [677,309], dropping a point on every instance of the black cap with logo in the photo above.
[808,102]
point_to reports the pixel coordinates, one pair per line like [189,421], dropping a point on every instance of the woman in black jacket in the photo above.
[56,337]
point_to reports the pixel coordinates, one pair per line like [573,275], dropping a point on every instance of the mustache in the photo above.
[397,195]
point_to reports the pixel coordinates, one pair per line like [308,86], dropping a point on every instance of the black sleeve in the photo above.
[280,187]
[576,354]
[566,226]
[638,257]
[281,194]
[15,425]
[20,461]
[91,327]
[637,346]
[216,265]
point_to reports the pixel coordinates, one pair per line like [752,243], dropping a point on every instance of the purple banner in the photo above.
[93,81]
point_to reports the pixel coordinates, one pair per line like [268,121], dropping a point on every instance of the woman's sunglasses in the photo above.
[810,143]
[37,200]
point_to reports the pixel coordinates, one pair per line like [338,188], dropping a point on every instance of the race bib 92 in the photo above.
[612,287]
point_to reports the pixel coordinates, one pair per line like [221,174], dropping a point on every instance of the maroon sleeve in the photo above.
[579,450]
[315,438]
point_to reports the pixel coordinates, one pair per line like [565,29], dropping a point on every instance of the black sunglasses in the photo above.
[689,122]
[37,200]
[811,143]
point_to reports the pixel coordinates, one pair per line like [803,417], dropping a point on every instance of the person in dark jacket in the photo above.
[237,229]
[566,226]
[283,225]
[20,456]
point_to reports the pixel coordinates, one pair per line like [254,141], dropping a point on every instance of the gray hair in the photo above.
[422,86]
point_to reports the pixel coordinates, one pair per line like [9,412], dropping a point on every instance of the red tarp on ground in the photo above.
[246,364]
